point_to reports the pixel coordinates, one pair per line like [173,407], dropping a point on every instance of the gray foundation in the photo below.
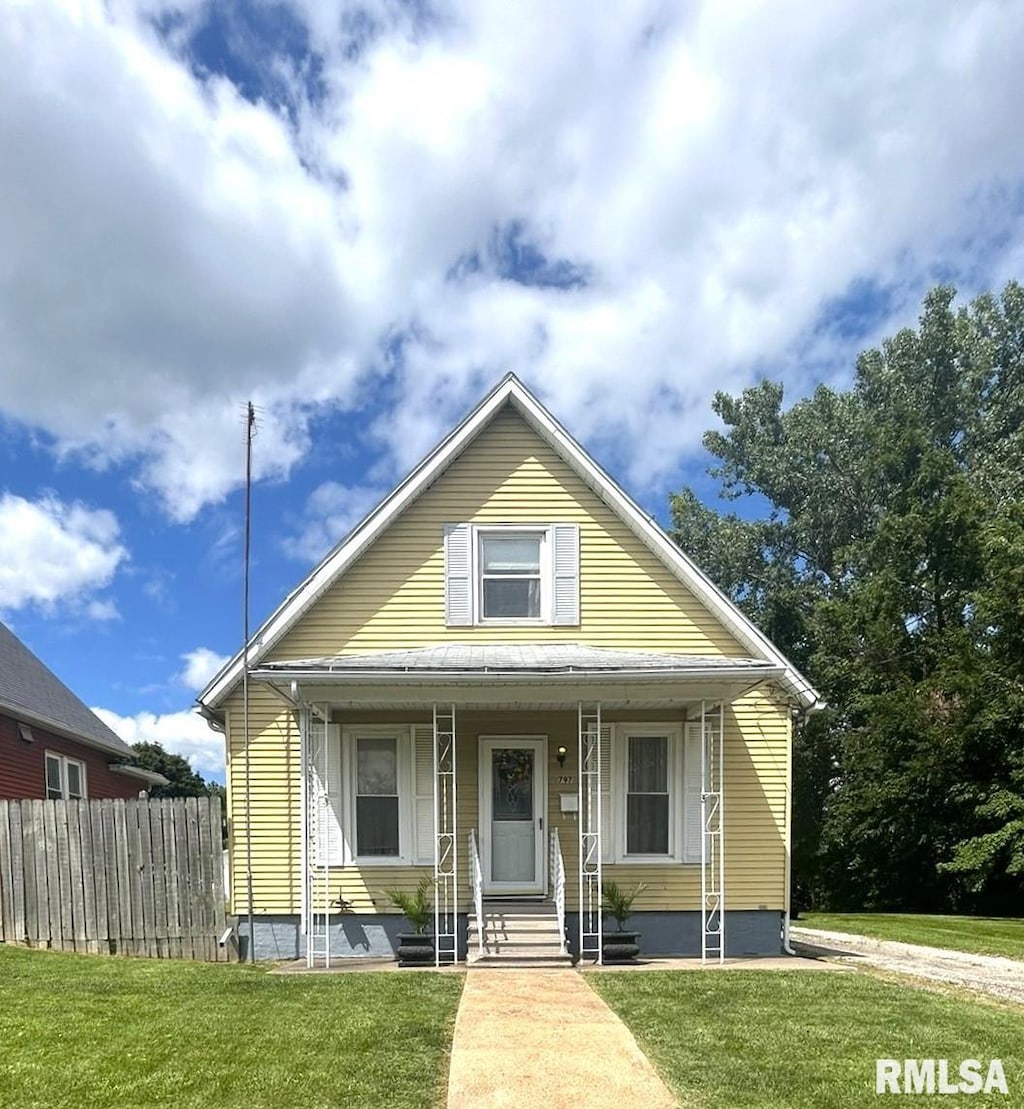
[373,935]
[747,932]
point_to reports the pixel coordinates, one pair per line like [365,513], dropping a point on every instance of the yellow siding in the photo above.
[755,790]
[393,597]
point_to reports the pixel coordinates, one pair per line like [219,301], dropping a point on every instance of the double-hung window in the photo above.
[525,573]
[511,584]
[372,793]
[650,795]
[65,778]
[377,815]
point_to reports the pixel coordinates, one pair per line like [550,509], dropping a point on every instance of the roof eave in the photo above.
[151,777]
[116,746]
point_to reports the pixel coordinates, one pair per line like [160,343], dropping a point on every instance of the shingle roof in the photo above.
[31,691]
[540,658]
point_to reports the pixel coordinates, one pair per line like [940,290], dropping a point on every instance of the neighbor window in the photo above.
[377,809]
[647,795]
[510,577]
[65,778]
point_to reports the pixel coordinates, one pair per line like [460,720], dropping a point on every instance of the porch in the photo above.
[516,778]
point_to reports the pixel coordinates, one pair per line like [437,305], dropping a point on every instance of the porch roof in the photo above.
[535,674]
[527,659]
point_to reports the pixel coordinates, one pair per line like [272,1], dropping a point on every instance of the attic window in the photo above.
[25,733]
[510,578]
[512,573]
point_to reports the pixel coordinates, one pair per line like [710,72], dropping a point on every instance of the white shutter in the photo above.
[565,542]
[458,570]
[423,793]
[326,803]
[607,816]
[692,788]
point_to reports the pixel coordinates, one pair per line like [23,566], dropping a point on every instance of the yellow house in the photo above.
[509,680]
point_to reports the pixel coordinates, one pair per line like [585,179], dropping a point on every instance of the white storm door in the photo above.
[513,808]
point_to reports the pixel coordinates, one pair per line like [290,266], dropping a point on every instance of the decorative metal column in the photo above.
[446,903]
[590,770]
[712,848]
[316,901]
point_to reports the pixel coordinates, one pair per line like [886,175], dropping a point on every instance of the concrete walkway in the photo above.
[543,1038]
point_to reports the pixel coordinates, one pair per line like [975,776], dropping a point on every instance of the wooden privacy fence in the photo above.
[118,877]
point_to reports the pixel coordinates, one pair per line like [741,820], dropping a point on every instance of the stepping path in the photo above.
[543,1038]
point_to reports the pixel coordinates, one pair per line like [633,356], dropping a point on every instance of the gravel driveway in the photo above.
[984,973]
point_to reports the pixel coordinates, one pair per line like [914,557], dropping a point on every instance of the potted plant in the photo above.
[416,948]
[619,946]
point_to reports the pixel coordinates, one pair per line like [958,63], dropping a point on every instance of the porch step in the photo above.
[516,934]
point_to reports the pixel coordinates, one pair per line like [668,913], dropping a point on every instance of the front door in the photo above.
[513,793]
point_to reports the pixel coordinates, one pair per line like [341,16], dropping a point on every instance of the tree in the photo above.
[889,564]
[182,780]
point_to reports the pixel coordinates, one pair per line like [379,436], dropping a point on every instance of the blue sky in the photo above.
[360,216]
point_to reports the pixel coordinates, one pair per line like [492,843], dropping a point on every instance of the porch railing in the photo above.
[476,884]
[558,885]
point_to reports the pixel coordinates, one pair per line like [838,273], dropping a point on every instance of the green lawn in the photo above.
[981,935]
[81,1030]
[790,1038]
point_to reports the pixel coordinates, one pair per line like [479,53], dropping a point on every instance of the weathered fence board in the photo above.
[120,877]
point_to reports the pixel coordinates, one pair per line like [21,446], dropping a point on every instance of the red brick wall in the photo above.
[23,765]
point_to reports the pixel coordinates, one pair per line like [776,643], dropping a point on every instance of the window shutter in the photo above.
[325,804]
[423,789]
[692,789]
[607,818]
[458,563]
[565,541]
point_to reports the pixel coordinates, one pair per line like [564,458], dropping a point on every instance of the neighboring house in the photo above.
[505,669]
[51,745]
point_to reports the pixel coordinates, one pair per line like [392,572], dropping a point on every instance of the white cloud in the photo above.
[183,733]
[53,553]
[719,172]
[330,513]
[200,666]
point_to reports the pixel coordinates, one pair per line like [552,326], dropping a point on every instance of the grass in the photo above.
[784,1039]
[980,935]
[82,1030]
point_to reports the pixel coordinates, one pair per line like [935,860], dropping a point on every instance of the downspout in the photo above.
[786,946]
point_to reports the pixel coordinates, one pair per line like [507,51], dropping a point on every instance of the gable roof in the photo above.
[510,391]
[31,692]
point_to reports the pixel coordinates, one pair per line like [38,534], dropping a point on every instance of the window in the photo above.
[512,573]
[650,795]
[377,815]
[647,795]
[510,578]
[65,778]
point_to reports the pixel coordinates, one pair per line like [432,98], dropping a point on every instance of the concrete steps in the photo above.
[517,934]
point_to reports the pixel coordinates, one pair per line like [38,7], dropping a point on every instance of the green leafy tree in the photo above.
[182,780]
[889,563]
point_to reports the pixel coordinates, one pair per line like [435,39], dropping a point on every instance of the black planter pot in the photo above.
[620,947]
[415,949]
